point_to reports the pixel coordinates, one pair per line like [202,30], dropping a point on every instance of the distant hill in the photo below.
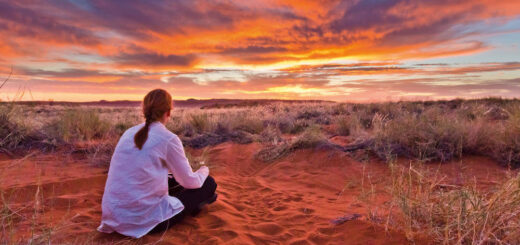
[190,103]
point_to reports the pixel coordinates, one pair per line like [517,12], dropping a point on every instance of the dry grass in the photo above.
[310,138]
[80,125]
[426,131]
[455,214]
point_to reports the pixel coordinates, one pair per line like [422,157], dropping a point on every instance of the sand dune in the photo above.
[291,201]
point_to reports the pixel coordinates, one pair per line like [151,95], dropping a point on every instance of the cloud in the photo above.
[26,22]
[155,60]
[258,48]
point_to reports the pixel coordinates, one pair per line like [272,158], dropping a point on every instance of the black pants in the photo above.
[190,198]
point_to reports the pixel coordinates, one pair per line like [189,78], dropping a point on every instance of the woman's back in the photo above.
[136,197]
[136,193]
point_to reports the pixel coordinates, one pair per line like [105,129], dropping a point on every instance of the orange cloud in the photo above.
[283,48]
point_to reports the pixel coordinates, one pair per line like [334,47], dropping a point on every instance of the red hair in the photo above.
[155,104]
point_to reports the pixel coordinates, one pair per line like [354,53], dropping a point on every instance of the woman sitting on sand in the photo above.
[137,192]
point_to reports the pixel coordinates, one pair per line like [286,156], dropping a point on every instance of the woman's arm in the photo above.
[180,167]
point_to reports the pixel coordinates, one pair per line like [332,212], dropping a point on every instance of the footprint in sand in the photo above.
[270,228]
[226,235]
[280,208]
[211,221]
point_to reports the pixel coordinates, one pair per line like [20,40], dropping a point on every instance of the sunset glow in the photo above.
[360,50]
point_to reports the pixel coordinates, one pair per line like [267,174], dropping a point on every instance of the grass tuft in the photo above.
[455,214]
[79,125]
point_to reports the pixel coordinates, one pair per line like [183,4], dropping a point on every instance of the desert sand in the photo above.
[295,200]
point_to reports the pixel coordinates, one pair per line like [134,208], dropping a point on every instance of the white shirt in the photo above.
[136,192]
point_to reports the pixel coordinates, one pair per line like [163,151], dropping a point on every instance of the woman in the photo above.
[136,198]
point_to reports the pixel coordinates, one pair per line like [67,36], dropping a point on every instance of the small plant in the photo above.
[311,137]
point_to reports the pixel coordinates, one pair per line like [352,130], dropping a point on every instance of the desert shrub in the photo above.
[431,136]
[79,125]
[210,139]
[479,135]
[271,134]
[452,214]
[299,126]
[203,140]
[507,143]
[248,123]
[308,114]
[343,126]
[348,125]
[284,122]
[179,125]
[340,109]
[200,121]
[240,137]
[310,138]
[323,120]
[363,114]
[12,133]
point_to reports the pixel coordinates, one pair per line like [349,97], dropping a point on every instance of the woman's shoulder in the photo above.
[160,130]
[133,130]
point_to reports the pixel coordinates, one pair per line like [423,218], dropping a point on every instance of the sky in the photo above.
[357,50]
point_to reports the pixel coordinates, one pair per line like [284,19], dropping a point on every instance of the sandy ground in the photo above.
[57,197]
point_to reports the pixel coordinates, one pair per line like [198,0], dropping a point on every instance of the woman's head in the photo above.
[157,105]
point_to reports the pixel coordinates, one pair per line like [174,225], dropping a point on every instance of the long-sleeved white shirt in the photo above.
[136,192]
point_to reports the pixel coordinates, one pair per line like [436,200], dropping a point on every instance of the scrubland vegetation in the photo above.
[427,131]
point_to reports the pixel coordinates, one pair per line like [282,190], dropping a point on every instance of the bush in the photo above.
[507,143]
[200,122]
[248,123]
[12,134]
[347,125]
[310,138]
[79,125]
[431,136]
[179,126]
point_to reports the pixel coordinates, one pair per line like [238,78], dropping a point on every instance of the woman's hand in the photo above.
[203,169]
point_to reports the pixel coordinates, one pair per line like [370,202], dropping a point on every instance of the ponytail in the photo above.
[141,135]
[155,104]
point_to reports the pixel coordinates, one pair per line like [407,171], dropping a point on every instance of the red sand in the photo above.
[291,201]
